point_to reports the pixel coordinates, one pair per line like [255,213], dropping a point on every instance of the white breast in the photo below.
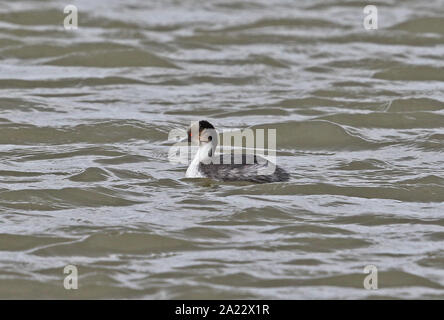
[193,170]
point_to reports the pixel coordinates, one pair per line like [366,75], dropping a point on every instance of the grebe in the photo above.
[206,164]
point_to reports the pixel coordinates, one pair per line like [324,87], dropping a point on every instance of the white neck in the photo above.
[201,155]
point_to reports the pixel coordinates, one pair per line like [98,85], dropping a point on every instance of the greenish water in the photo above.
[85,178]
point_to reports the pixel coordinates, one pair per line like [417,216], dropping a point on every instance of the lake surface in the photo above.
[85,178]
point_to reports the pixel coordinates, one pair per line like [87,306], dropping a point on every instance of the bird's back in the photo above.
[252,168]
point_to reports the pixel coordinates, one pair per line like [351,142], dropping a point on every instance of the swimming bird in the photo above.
[226,167]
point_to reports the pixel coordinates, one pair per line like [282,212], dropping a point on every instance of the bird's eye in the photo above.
[210,138]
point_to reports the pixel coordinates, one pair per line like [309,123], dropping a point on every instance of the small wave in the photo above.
[412,73]
[305,228]
[114,59]
[98,132]
[216,80]
[253,112]
[100,244]
[349,4]
[415,104]
[32,17]
[388,120]
[55,199]
[67,82]
[76,152]
[422,25]
[91,175]
[282,22]
[47,50]
[388,38]
[316,134]
[369,164]
[5,42]
[420,193]
[14,242]
[252,59]
[427,180]
[122,159]
[240,39]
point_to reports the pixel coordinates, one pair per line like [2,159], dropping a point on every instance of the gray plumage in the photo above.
[245,171]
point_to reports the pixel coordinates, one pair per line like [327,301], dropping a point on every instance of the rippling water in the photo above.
[85,178]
